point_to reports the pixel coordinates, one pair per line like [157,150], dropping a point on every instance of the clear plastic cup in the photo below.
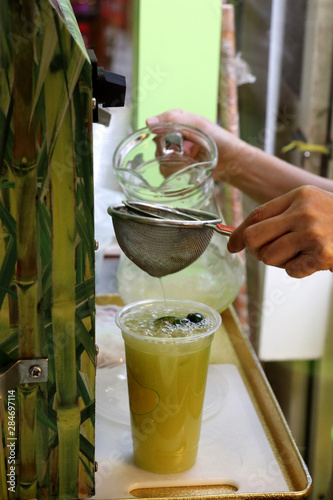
[166,379]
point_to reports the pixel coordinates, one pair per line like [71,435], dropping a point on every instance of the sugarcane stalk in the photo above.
[8,311]
[8,308]
[24,167]
[63,310]
[63,204]
[59,88]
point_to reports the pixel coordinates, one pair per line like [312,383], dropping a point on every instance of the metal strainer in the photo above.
[163,240]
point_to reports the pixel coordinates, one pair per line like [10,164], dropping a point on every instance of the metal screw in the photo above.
[94,102]
[35,371]
[96,245]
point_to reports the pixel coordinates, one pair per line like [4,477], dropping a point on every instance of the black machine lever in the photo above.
[108,88]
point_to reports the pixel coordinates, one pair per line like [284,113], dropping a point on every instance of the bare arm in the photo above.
[259,175]
[293,227]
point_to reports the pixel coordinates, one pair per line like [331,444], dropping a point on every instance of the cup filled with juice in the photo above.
[167,344]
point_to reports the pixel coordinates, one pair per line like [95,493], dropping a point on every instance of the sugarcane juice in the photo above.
[167,358]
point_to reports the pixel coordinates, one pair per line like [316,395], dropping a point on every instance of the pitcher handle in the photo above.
[173,143]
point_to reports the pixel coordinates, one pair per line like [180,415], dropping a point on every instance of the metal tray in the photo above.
[230,347]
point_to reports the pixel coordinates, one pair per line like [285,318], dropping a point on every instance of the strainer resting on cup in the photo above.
[162,240]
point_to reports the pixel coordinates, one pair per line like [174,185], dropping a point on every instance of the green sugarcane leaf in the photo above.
[46,253]
[85,338]
[80,263]
[72,24]
[7,269]
[71,72]
[82,389]
[8,220]
[6,103]
[45,232]
[47,284]
[88,412]
[42,172]
[87,449]
[85,193]
[52,389]
[86,233]
[79,352]
[53,443]
[4,358]
[9,345]
[86,309]
[88,471]
[7,185]
[47,54]
[84,296]
[49,419]
[84,291]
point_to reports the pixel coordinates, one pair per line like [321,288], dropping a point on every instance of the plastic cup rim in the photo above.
[180,340]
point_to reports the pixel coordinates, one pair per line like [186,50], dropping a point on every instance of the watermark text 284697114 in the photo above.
[11,441]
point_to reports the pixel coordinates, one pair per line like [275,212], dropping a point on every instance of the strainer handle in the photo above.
[222,229]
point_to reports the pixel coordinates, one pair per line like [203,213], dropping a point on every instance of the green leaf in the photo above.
[87,449]
[88,412]
[88,471]
[8,220]
[71,22]
[82,389]
[51,393]
[84,294]
[42,161]
[84,337]
[6,135]
[4,358]
[7,269]
[71,67]
[10,346]
[7,185]
[49,419]
[86,233]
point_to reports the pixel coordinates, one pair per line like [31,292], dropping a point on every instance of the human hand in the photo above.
[227,144]
[293,231]
[178,146]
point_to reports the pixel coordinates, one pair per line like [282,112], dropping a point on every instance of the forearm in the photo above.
[262,176]
[259,175]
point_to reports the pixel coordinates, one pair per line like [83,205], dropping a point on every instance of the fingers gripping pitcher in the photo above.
[172,164]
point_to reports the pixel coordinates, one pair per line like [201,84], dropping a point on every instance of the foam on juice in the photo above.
[169,322]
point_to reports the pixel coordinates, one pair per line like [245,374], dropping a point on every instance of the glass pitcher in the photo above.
[172,164]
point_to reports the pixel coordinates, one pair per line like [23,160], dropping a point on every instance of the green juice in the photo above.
[167,358]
